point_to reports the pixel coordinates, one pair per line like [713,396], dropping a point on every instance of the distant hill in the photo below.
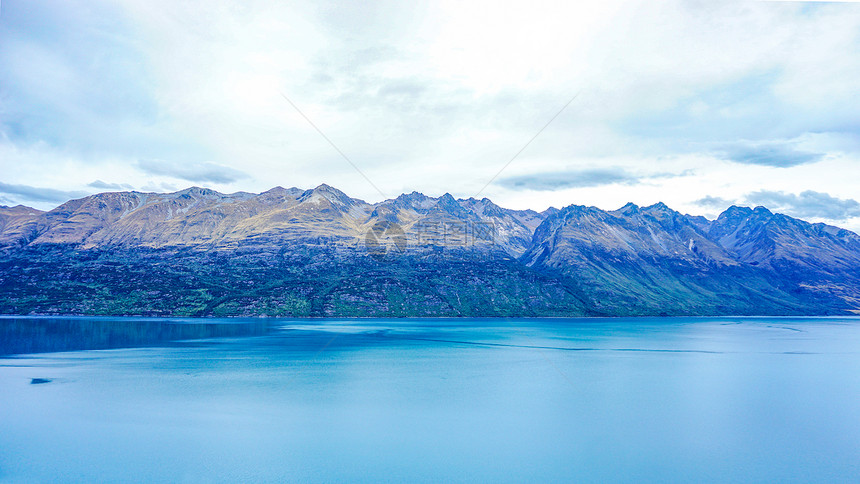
[319,252]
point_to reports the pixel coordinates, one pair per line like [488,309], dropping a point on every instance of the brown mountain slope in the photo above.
[205,219]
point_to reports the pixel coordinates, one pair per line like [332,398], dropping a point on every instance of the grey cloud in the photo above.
[780,155]
[713,202]
[808,204]
[193,172]
[110,186]
[560,180]
[37,194]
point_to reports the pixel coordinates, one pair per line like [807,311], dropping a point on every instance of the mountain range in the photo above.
[319,252]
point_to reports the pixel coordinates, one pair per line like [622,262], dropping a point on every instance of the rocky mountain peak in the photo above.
[327,193]
[449,204]
[629,208]
[761,210]
[735,212]
[576,211]
[413,199]
[549,211]
[197,192]
[658,207]
[484,207]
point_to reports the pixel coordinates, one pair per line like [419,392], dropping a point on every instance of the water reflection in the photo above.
[21,335]
[637,400]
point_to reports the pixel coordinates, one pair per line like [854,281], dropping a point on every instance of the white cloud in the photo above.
[206,172]
[434,97]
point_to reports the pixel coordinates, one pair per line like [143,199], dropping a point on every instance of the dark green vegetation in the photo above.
[159,282]
[304,253]
[62,280]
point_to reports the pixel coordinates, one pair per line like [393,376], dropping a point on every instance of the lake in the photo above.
[455,400]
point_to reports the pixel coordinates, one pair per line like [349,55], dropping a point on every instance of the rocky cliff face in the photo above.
[656,260]
[306,252]
[761,238]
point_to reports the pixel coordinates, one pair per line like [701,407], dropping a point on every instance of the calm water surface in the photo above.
[579,400]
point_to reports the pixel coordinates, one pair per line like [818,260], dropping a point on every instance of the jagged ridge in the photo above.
[577,260]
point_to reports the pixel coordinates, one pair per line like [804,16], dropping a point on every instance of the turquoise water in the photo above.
[579,400]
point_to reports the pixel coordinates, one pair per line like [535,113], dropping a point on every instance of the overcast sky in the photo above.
[696,104]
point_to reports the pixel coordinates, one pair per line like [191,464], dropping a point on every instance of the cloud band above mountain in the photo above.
[581,178]
[780,155]
[808,204]
[39,194]
[193,172]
